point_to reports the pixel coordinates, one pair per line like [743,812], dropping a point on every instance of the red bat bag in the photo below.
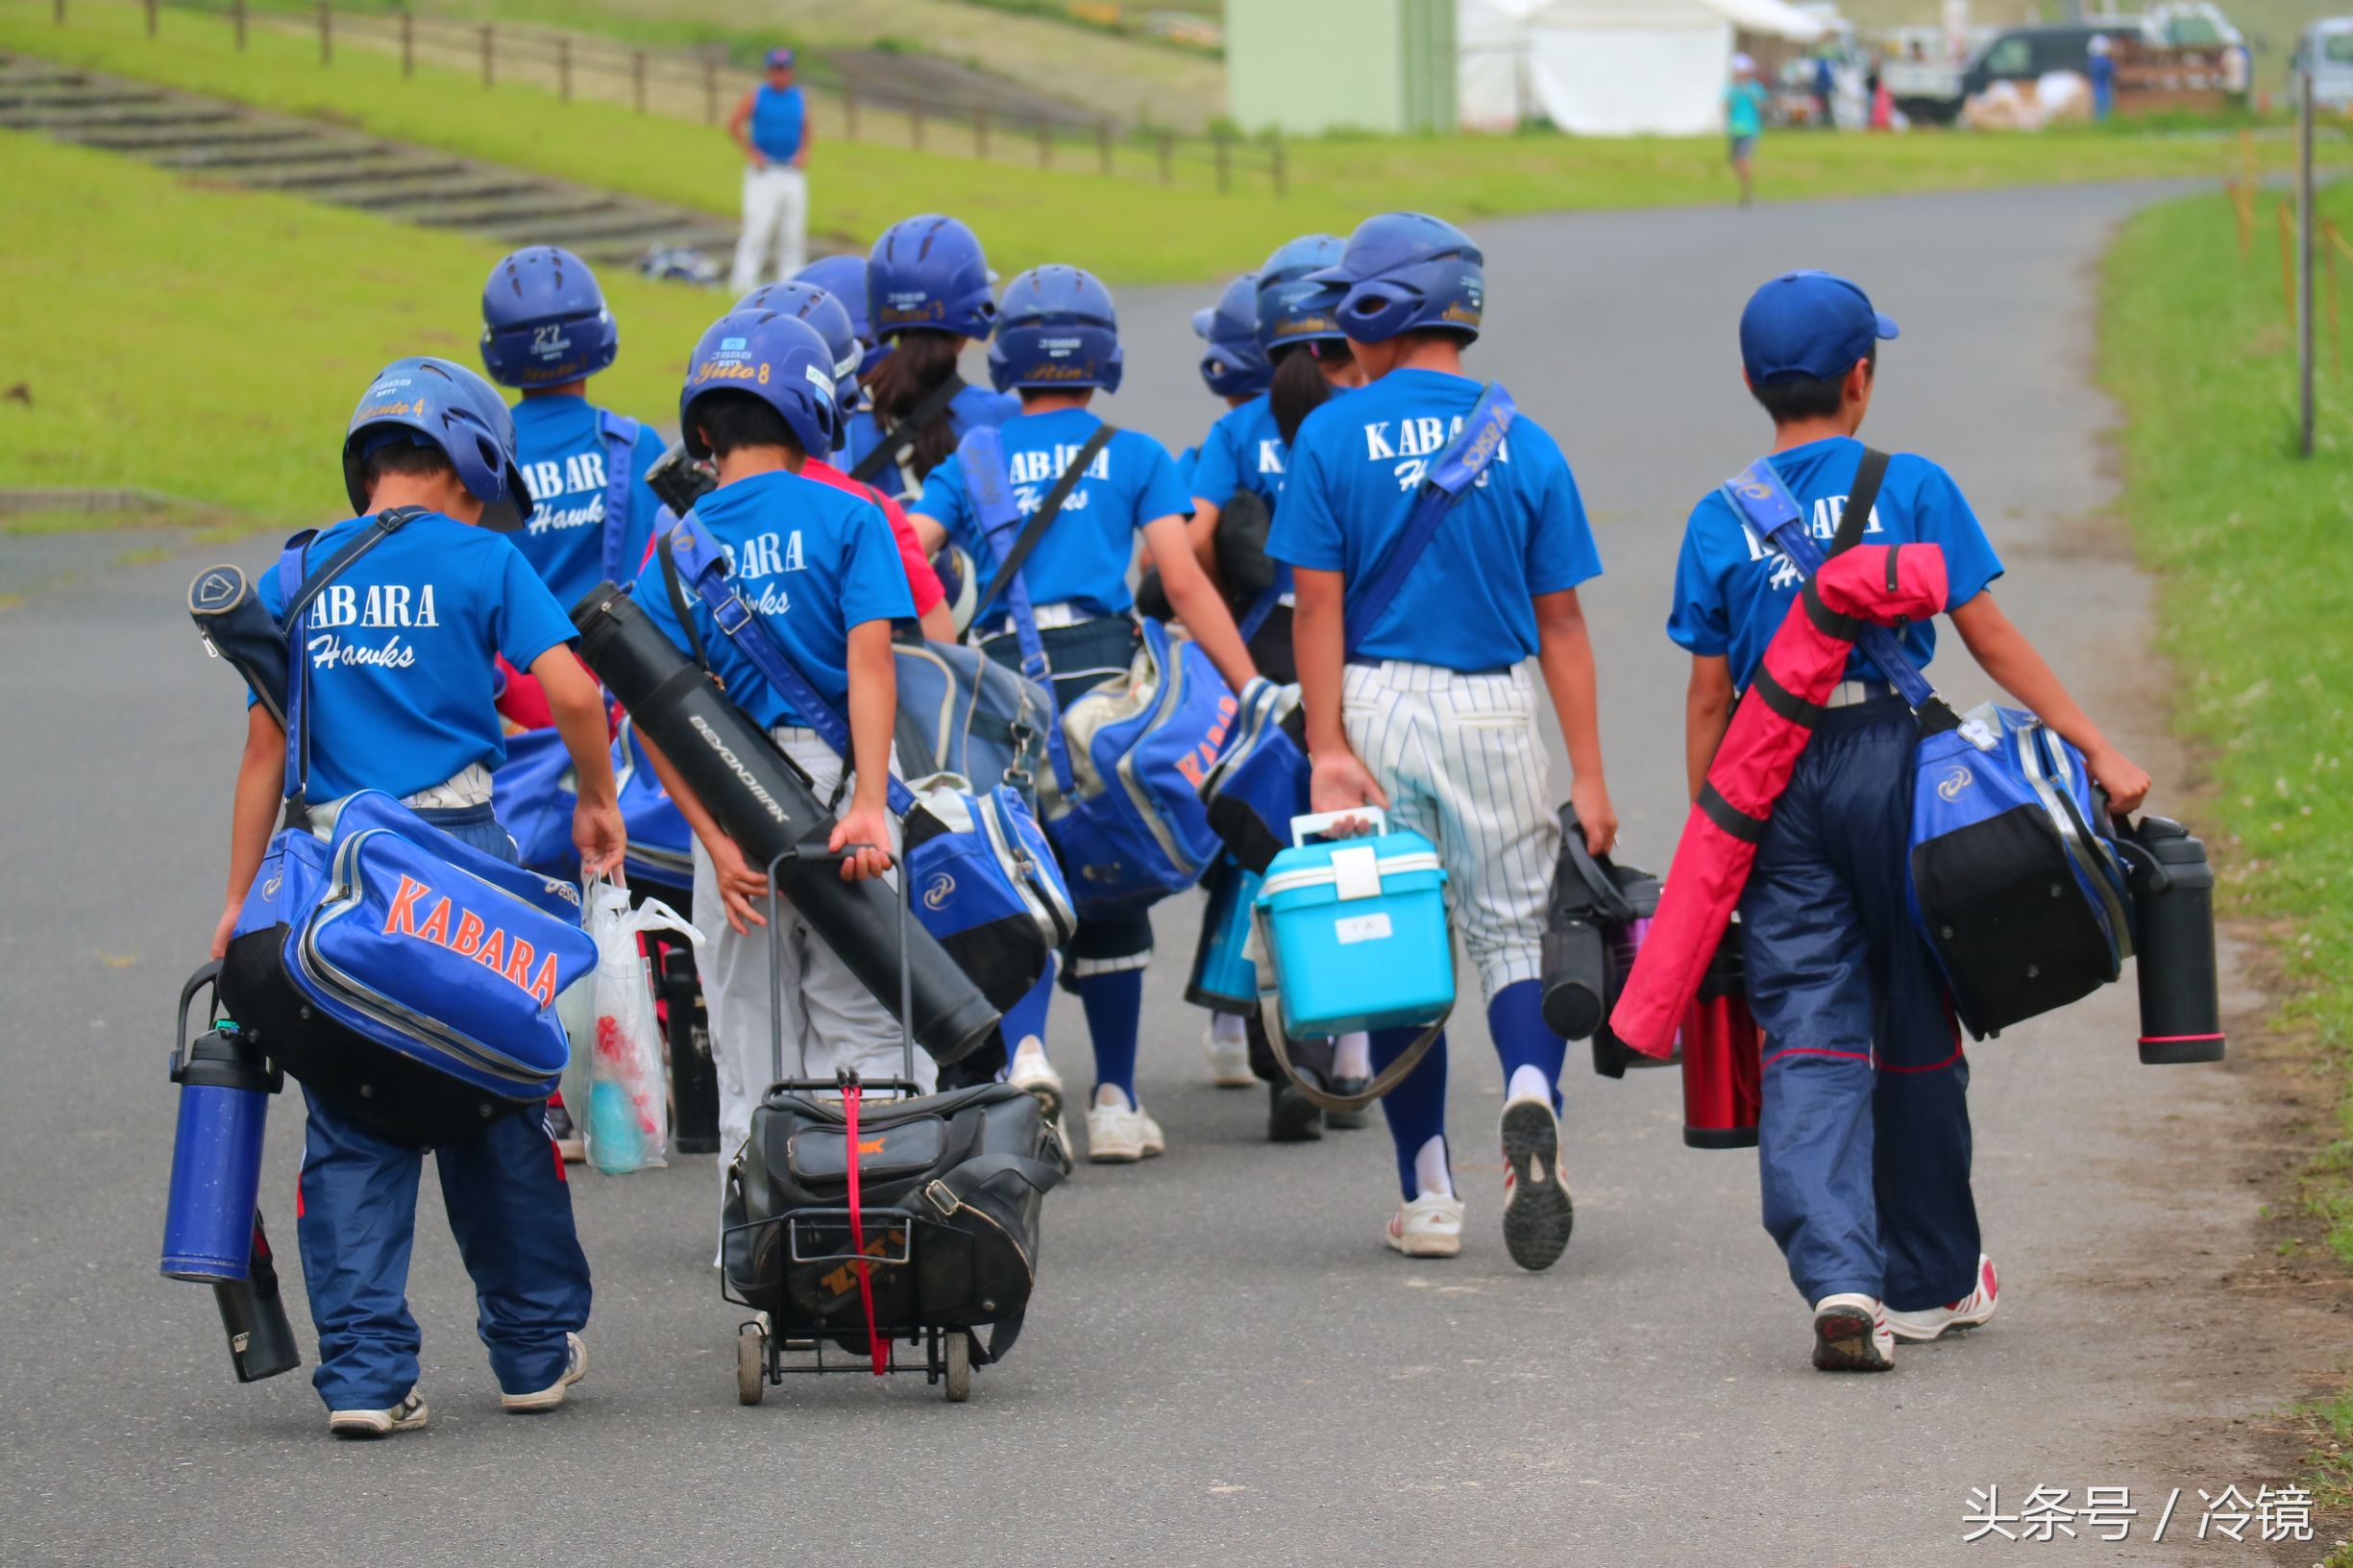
[1874,584]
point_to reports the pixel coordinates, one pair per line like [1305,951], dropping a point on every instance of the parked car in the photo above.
[2028,54]
[2328,44]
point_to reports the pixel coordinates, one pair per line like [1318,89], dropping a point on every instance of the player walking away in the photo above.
[1744,121]
[770,125]
[446,598]
[818,564]
[1433,716]
[928,297]
[1863,1139]
[1058,342]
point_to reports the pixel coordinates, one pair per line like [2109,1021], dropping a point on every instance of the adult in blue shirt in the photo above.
[1427,710]
[1058,342]
[1863,1139]
[928,297]
[770,127]
[819,566]
[399,649]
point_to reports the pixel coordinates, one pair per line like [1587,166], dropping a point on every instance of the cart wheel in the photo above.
[959,1366]
[751,1368]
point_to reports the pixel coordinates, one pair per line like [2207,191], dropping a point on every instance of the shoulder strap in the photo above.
[677,597]
[1757,494]
[981,458]
[380,527]
[895,445]
[619,432]
[1047,510]
[707,569]
[1456,468]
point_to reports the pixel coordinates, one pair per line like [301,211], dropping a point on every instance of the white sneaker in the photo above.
[576,1367]
[1851,1335]
[1120,1132]
[409,1415]
[1430,1226]
[1229,1059]
[1031,1070]
[1972,1310]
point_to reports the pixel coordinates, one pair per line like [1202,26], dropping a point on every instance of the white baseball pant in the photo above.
[830,1020]
[1463,764]
[775,223]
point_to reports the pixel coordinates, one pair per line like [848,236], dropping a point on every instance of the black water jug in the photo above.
[2172,900]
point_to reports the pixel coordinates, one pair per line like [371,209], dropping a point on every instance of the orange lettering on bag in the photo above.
[493,955]
[469,939]
[403,915]
[437,926]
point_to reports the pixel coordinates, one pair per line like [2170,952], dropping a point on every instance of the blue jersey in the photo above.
[564,458]
[401,648]
[777,115]
[967,409]
[1084,557]
[813,561]
[1732,590]
[1521,531]
[1243,451]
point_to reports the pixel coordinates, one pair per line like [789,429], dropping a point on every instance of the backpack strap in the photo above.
[895,446]
[1445,482]
[619,432]
[305,592]
[1757,494]
[1010,563]
[981,458]
[690,554]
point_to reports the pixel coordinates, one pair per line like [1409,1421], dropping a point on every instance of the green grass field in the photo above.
[2254,551]
[1128,230]
[209,343]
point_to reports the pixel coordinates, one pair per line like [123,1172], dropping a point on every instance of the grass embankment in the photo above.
[2254,547]
[209,343]
[1129,230]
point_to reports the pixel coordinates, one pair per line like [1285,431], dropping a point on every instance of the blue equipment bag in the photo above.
[2014,877]
[960,712]
[1261,782]
[1123,797]
[408,978]
[985,883]
[538,790]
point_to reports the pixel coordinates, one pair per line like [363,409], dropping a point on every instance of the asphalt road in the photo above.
[1223,1364]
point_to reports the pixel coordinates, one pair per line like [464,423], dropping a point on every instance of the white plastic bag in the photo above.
[626,1115]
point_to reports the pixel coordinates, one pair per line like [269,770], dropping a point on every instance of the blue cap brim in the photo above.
[1887,325]
[1337,272]
[1203,320]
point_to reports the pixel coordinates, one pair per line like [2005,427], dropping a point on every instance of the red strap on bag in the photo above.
[875,1346]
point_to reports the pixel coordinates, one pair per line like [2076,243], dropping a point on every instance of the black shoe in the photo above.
[1348,1120]
[1292,1117]
[1537,1216]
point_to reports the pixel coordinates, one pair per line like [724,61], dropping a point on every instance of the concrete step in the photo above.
[387,170]
[246,151]
[235,141]
[522,209]
[393,196]
[629,249]
[67,120]
[44,95]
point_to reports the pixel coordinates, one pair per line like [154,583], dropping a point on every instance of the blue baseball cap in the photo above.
[1807,326]
[780,60]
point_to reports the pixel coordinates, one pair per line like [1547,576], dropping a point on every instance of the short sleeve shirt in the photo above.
[564,457]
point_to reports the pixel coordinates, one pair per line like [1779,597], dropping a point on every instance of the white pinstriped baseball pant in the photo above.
[1464,765]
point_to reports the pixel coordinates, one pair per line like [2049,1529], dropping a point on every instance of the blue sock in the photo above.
[1415,1109]
[1027,1016]
[1516,1018]
[1115,1016]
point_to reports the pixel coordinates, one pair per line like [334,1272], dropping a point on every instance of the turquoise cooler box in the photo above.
[1356,930]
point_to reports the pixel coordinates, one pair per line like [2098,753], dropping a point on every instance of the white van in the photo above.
[2328,44]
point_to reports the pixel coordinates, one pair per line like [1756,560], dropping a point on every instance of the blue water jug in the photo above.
[224,1088]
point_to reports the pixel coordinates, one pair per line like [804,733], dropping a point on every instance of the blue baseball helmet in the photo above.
[831,318]
[1404,272]
[929,272]
[780,359]
[1057,327]
[844,277]
[1235,366]
[1290,309]
[434,403]
[544,320]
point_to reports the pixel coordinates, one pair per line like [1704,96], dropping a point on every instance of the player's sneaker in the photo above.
[1348,1121]
[1120,1132]
[1851,1335]
[1032,1071]
[1935,1322]
[1430,1226]
[576,1367]
[1229,1058]
[1537,1215]
[1292,1117]
[409,1415]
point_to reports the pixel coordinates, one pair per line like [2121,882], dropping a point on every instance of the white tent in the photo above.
[1608,68]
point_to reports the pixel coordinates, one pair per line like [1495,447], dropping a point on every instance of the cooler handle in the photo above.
[1304,828]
